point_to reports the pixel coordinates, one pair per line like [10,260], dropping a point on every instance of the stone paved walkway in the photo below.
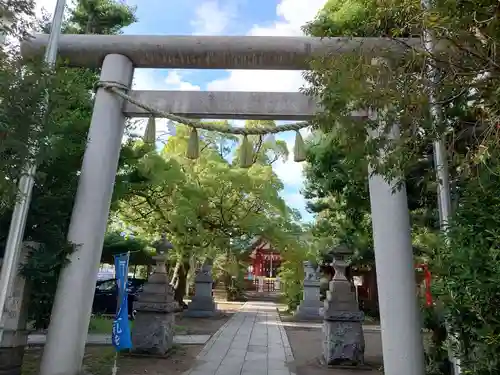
[252,342]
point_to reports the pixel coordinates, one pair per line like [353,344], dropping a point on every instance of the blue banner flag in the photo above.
[121,329]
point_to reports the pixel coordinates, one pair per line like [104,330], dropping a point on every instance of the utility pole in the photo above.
[439,148]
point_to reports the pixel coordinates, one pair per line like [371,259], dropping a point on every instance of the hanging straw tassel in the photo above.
[299,149]
[150,133]
[246,153]
[193,150]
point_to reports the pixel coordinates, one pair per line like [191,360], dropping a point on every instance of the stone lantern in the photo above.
[162,246]
[309,308]
[344,342]
[153,331]
[202,304]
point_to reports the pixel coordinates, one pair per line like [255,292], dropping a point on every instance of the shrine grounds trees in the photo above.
[209,208]
[464,267]
[205,206]
[54,137]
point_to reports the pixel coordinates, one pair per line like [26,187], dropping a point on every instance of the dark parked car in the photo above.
[106,294]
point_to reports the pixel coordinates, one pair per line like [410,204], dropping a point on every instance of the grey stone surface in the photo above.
[191,339]
[310,305]
[105,339]
[15,335]
[202,304]
[11,360]
[227,105]
[343,339]
[253,342]
[308,312]
[210,52]
[314,325]
[153,331]
[344,342]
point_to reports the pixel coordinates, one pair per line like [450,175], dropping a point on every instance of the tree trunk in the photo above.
[191,274]
[180,290]
[226,277]
[173,280]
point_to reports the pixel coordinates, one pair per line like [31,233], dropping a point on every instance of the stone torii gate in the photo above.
[118,56]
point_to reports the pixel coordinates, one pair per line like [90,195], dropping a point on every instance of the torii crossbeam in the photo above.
[212,52]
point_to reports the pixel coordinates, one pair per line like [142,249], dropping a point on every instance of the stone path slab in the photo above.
[191,339]
[104,339]
[366,328]
[252,342]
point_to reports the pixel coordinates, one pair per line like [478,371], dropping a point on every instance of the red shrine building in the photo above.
[264,260]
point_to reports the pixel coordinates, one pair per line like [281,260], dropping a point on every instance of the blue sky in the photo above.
[226,17]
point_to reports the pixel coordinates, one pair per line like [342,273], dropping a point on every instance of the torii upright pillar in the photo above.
[400,321]
[65,347]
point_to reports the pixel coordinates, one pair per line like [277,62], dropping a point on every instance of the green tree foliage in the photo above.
[337,190]
[94,17]
[54,138]
[468,273]
[204,206]
[100,17]
[292,269]
[402,91]
[115,243]
[464,266]
[16,17]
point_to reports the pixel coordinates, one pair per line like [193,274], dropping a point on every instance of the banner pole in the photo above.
[121,297]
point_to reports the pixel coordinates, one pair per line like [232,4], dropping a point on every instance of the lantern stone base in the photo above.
[344,342]
[308,313]
[201,307]
[153,333]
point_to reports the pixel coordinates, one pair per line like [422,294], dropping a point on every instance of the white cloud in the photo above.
[294,14]
[211,18]
[146,79]
[174,81]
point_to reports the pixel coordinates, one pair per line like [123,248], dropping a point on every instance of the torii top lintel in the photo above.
[210,52]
